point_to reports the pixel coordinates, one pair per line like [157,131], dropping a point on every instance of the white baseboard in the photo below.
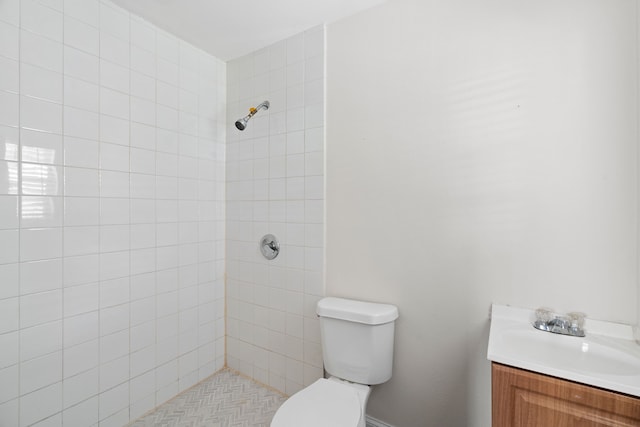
[372,422]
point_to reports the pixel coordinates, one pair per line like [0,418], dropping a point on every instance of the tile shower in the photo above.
[275,185]
[126,194]
[112,217]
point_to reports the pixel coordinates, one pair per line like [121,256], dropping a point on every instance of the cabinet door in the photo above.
[525,399]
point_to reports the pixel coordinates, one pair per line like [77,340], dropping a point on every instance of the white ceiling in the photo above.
[231,28]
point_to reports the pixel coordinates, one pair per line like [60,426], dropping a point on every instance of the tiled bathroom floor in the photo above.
[225,399]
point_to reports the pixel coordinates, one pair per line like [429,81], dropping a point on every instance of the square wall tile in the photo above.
[114,20]
[114,49]
[79,387]
[41,147]
[81,94]
[84,413]
[143,34]
[40,404]
[40,243]
[81,299]
[81,240]
[41,51]
[40,372]
[81,269]
[86,11]
[81,182]
[40,340]
[81,152]
[40,276]
[82,65]
[41,19]
[81,123]
[10,12]
[82,352]
[41,83]
[39,308]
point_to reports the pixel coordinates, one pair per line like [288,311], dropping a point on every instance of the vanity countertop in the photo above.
[607,357]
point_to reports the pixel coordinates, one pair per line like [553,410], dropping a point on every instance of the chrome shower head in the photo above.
[241,124]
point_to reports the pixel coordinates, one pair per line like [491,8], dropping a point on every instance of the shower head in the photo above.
[241,124]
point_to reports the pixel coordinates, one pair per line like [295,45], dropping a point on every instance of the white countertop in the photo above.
[606,357]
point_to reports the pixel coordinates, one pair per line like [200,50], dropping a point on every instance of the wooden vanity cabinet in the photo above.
[522,398]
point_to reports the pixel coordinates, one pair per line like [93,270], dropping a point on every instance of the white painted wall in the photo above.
[111,218]
[479,152]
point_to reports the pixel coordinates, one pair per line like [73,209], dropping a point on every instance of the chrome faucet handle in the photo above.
[543,317]
[577,319]
[577,324]
[543,314]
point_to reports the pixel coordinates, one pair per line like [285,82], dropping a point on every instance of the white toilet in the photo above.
[357,347]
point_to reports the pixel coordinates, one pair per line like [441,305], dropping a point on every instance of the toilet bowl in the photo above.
[357,350]
[326,402]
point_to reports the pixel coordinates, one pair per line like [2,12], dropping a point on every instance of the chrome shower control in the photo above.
[269,246]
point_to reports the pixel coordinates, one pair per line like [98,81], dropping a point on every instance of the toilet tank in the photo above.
[357,339]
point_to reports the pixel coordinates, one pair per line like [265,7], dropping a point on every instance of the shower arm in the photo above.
[260,106]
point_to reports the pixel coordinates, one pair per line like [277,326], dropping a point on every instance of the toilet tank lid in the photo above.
[370,313]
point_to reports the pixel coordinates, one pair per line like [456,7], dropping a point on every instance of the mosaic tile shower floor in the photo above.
[226,399]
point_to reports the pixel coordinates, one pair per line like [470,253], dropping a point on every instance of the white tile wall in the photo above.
[112,151]
[275,184]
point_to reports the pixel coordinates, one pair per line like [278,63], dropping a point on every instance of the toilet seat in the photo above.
[324,403]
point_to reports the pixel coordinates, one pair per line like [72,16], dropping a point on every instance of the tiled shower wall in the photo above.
[275,184]
[111,214]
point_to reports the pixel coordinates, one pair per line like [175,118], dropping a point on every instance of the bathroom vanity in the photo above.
[522,398]
[542,379]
